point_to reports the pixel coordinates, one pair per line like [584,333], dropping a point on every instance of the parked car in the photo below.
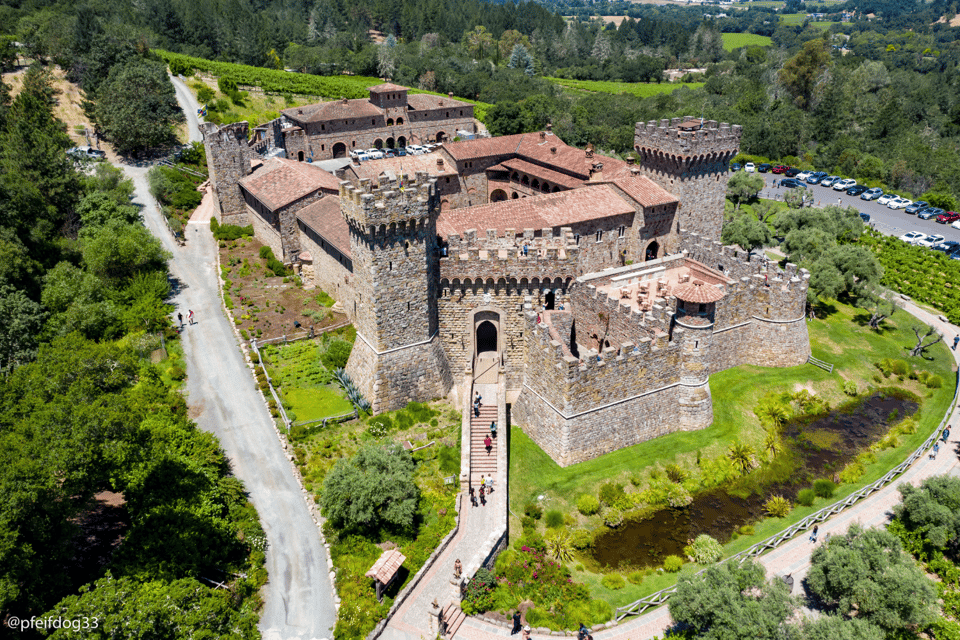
[749,167]
[829,181]
[947,246]
[912,237]
[816,177]
[916,206]
[956,224]
[780,168]
[790,183]
[764,167]
[734,166]
[899,202]
[791,172]
[803,175]
[886,198]
[857,190]
[948,217]
[929,241]
[86,152]
[871,194]
[843,185]
[865,217]
[929,212]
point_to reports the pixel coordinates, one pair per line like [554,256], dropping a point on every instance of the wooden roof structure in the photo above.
[385,568]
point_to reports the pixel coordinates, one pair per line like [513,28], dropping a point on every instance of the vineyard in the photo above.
[639,89]
[286,82]
[733,41]
[927,276]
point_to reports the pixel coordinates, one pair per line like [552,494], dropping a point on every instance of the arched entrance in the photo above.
[498,195]
[378,143]
[402,142]
[652,250]
[390,143]
[339,150]
[300,156]
[549,300]
[486,337]
[441,136]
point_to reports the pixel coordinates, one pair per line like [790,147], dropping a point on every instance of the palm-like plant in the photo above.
[558,545]
[741,455]
[778,507]
[772,444]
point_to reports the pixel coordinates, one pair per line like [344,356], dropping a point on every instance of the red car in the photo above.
[780,168]
[948,217]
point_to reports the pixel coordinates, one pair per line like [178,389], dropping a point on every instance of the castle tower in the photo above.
[397,356]
[780,317]
[696,304]
[690,159]
[228,160]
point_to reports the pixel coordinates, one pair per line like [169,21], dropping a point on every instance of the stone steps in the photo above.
[481,462]
[454,617]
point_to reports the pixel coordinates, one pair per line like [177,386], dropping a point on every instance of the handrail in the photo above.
[655,599]
[817,362]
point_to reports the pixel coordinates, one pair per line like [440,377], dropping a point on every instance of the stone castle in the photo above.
[596,287]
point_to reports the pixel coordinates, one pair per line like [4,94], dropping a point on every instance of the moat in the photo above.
[722,511]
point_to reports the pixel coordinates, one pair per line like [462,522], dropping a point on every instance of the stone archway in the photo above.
[485,328]
[390,143]
[498,195]
[652,252]
[402,142]
[378,143]
[441,136]
[300,156]
[486,337]
[339,150]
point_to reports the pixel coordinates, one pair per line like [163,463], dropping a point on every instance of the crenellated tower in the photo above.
[690,158]
[228,161]
[397,357]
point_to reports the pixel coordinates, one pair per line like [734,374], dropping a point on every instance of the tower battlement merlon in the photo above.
[389,201]
[667,137]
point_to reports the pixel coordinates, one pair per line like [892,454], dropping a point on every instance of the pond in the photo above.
[817,447]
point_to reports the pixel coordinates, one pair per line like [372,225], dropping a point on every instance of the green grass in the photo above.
[839,336]
[639,89]
[733,41]
[799,18]
[313,404]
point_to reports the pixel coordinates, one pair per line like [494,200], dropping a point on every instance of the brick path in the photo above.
[414,622]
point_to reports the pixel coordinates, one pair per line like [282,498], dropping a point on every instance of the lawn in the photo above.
[639,89]
[733,41]
[839,336]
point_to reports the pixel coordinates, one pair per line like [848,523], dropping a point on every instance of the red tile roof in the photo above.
[483,147]
[408,165]
[280,181]
[387,86]
[529,168]
[324,217]
[425,101]
[386,567]
[552,210]
[336,110]
[642,189]
[697,291]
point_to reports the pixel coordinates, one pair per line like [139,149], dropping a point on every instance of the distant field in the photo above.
[798,18]
[733,41]
[639,89]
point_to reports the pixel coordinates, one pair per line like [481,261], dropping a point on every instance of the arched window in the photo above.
[599,236]
[399,121]
[389,122]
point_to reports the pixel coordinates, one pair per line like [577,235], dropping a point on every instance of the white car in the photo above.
[749,167]
[843,185]
[803,175]
[886,198]
[913,237]
[899,202]
[415,149]
[956,225]
[375,154]
[929,241]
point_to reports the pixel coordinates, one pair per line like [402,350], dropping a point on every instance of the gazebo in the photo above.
[696,299]
[385,570]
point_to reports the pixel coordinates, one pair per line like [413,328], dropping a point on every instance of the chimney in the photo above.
[589,151]
[450,94]
[635,171]
[543,136]
[439,164]
[596,171]
[549,128]
[441,102]
[345,101]
[553,150]
[631,160]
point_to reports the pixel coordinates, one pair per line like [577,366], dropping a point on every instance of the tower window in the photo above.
[599,236]
[621,231]
[577,238]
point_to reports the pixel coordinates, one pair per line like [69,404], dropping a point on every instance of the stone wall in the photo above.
[228,160]
[366,133]
[330,270]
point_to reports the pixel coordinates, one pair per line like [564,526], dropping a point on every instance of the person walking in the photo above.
[493,428]
[488,443]
[483,482]
[813,534]
[583,632]
[516,623]
[483,497]
[936,450]
[956,341]
[946,434]
[457,569]
[473,497]
[180,318]
[190,315]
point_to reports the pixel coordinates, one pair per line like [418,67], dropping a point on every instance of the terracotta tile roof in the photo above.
[483,147]
[336,110]
[408,165]
[386,566]
[324,217]
[387,86]
[642,189]
[697,291]
[570,159]
[547,211]
[425,101]
[529,168]
[280,181]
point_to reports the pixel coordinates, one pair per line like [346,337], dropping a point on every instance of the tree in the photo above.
[866,574]
[795,198]
[136,107]
[744,186]
[98,208]
[510,39]
[921,346]
[802,73]
[834,628]
[115,251]
[881,307]
[748,232]
[478,42]
[387,57]
[372,490]
[933,509]
[741,455]
[520,58]
[20,331]
[945,201]
[731,602]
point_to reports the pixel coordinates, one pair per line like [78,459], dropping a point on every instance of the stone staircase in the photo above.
[481,462]
[454,617]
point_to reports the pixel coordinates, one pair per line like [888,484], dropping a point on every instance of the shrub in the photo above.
[635,577]
[610,493]
[554,519]
[612,517]
[778,507]
[676,473]
[336,354]
[706,550]
[672,564]
[581,539]
[747,530]
[558,546]
[205,94]
[850,387]
[533,510]
[806,497]
[528,523]
[479,597]
[613,581]
[899,367]
[934,382]
[588,505]
[533,541]
[176,372]
[254,357]
[824,488]
[266,253]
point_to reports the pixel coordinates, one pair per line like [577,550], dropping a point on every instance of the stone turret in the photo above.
[397,357]
[694,319]
[228,161]
[690,158]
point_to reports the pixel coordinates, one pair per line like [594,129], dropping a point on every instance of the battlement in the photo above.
[736,263]
[670,137]
[400,201]
[497,256]
[226,133]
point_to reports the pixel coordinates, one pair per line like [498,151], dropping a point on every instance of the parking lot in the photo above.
[887,221]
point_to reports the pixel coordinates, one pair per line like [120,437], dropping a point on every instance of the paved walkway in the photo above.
[794,556]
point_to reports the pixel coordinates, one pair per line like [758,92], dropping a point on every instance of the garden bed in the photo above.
[266,300]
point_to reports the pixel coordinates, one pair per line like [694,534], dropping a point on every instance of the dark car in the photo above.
[947,246]
[929,212]
[790,183]
[865,217]
[948,217]
[791,172]
[816,177]
[780,168]
[856,190]
[916,206]
[734,166]
[764,167]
